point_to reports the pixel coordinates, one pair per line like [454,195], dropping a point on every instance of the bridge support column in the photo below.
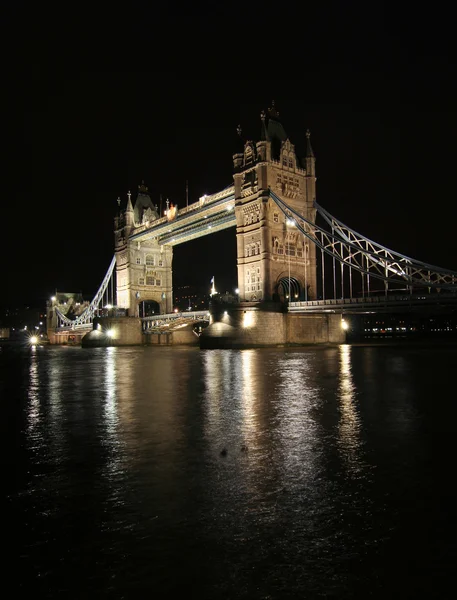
[250,325]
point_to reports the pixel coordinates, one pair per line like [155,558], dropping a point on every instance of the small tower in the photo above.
[143,268]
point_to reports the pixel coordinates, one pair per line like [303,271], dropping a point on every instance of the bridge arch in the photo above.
[296,289]
[148,308]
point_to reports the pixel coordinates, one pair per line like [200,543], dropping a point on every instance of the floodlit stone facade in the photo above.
[143,267]
[270,251]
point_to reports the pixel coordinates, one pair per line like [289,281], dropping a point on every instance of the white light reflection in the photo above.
[110,416]
[298,400]
[349,428]
[110,386]
[221,394]
[55,390]
[33,393]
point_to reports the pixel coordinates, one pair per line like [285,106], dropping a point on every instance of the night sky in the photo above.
[383,127]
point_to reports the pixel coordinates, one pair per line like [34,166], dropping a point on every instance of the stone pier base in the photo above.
[249,325]
[114,331]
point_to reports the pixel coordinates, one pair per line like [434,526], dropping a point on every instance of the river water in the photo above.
[319,472]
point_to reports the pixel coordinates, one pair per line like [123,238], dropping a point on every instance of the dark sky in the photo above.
[382,119]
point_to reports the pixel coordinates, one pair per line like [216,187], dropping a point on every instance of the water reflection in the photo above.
[249,395]
[297,399]
[134,494]
[349,428]
[33,393]
[110,417]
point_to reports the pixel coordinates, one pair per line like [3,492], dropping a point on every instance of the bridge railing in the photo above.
[379,301]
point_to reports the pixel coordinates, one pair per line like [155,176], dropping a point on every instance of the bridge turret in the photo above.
[269,251]
[310,165]
[129,212]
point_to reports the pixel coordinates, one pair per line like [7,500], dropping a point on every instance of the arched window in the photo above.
[149,260]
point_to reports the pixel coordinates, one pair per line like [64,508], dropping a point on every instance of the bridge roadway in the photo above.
[209,215]
[376,303]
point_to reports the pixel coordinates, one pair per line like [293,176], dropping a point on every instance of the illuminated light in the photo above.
[176,310]
[225,313]
[108,307]
[344,324]
[290,222]
[110,333]
[34,340]
[229,208]
[237,291]
[41,322]
[209,226]
[248,319]
[53,299]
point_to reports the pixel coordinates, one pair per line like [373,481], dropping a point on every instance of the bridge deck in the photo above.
[374,303]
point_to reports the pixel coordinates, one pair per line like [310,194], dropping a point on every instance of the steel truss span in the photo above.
[87,316]
[353,250]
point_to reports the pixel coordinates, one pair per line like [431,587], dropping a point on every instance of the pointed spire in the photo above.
[129,202]
[239,146]
[263,129]
[143,189]
[309,149]
[274,114]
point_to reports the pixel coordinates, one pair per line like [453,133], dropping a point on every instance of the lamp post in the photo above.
[291,223]
[288,248]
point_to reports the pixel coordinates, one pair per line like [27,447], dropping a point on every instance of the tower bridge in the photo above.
[291,252]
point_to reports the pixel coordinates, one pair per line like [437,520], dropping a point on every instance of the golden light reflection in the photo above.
[350,425]
[55,390]
[220,386]
[249,393]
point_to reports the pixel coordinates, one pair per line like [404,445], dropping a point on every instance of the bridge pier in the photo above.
[252,325]
[114,331]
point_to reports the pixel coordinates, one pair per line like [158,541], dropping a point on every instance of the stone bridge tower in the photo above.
[143,268]
[275,261]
